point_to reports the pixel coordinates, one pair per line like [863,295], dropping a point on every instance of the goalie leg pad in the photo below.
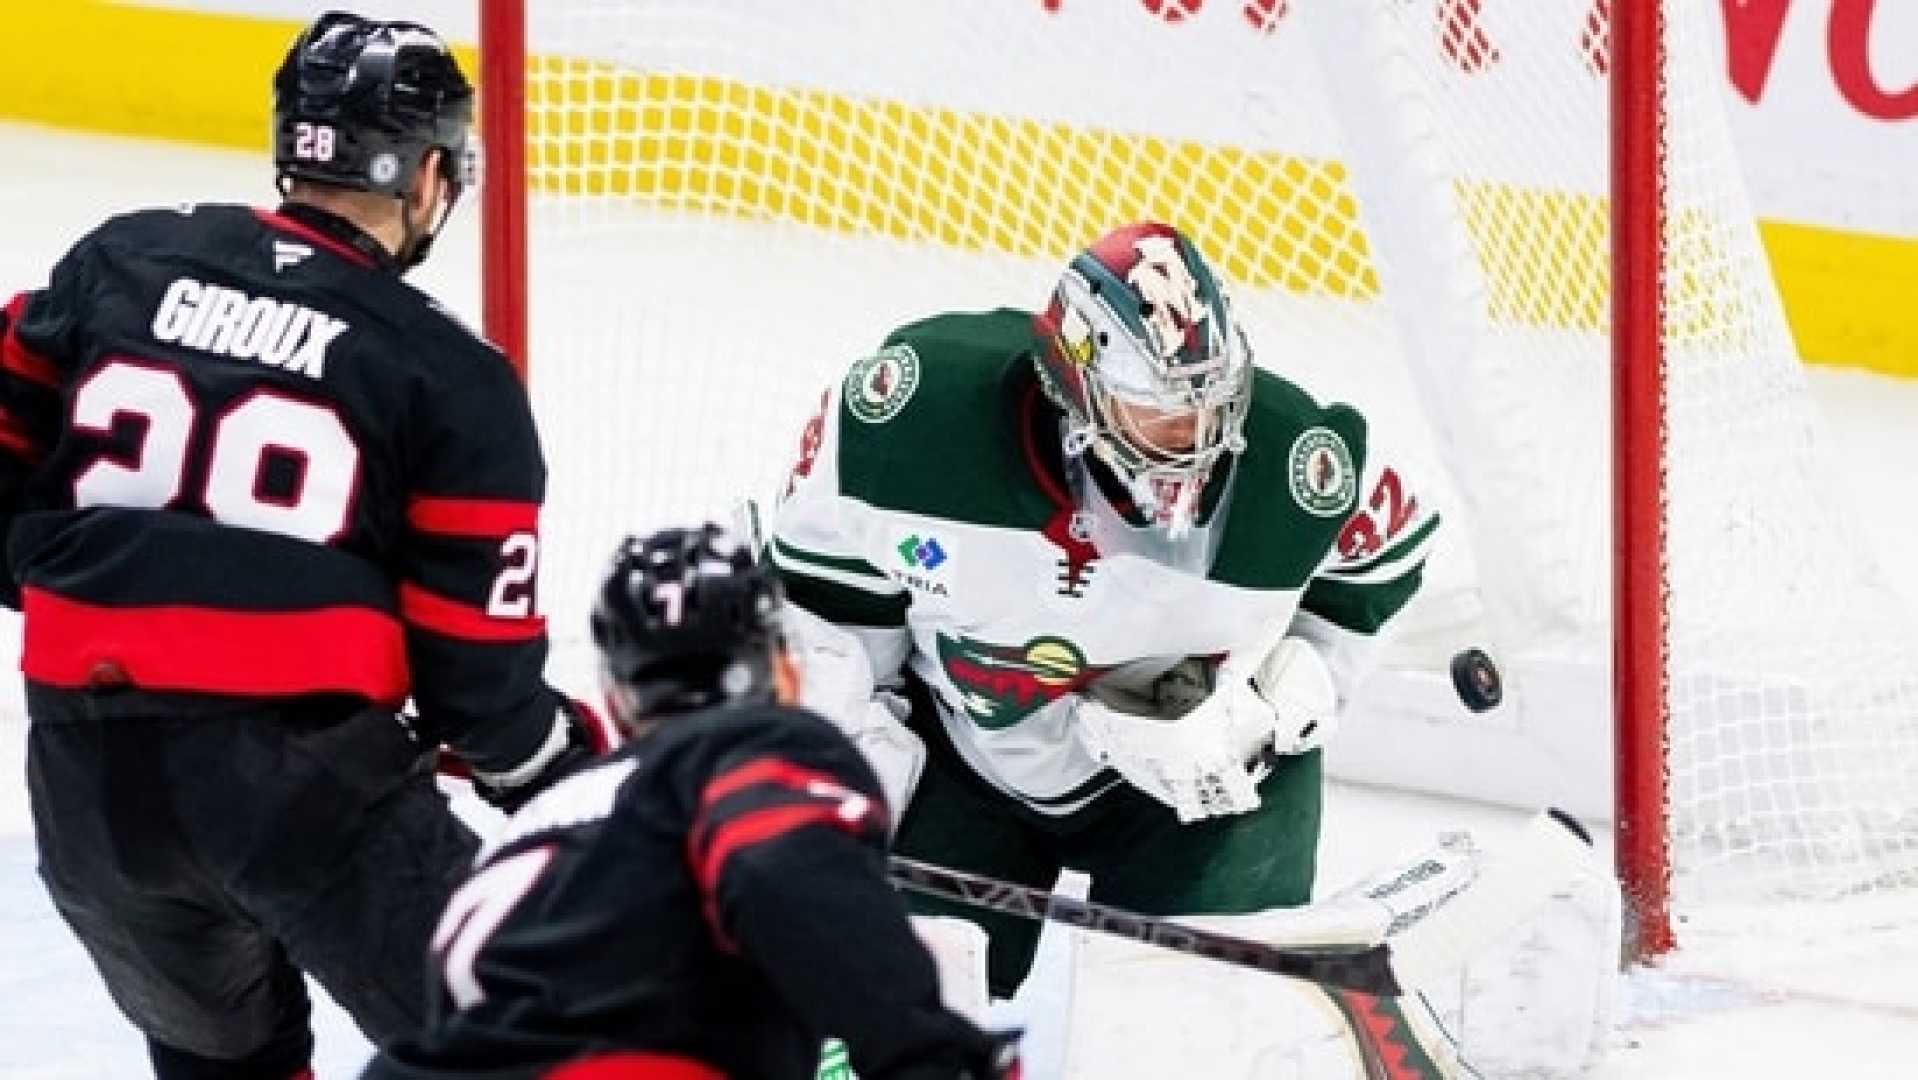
[1542,1000]
[1508,949]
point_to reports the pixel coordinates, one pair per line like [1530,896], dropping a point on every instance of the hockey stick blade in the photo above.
[1367,969]
[1443,906]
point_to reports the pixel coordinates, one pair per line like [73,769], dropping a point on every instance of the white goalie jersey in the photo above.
[932,515]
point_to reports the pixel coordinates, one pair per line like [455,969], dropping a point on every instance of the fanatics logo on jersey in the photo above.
[277,333]
[286,253]
[879,386]
[1321,473]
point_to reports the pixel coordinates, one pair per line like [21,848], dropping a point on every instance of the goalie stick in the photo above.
[1400,927]
[1365,968]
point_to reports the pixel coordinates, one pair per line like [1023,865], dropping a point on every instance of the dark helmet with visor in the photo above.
[358,104]
[686,619]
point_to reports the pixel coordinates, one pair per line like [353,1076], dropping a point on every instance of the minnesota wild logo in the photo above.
[1001,685]
[879,386]
[1323,479]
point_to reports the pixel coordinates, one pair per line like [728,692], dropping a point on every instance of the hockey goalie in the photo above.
[1089,588]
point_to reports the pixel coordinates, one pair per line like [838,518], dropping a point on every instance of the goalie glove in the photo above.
[1197,764]
[578,735]
[1284,701]
[1205,761]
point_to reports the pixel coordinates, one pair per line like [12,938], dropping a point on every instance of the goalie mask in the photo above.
[1151,371]
[686,620]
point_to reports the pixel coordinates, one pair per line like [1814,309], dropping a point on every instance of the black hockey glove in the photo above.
[579,735]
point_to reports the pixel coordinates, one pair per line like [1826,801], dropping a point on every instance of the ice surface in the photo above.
[1803,1003]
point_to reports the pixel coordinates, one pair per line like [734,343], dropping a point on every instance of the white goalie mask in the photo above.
[1152,372]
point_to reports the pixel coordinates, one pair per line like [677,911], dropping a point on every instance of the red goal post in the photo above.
[721,202]
[1640,738]
[502,91]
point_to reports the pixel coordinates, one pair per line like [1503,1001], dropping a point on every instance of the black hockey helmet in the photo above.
[358,103]
[685,619]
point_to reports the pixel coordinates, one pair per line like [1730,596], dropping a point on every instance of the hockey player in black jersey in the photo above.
[710,902]
[257,491]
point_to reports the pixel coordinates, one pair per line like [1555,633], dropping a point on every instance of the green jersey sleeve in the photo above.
[1373,569]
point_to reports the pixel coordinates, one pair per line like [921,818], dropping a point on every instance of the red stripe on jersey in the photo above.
[431,611]
[605,735]
[15,438]
[1048,484]
[14,354]
[830,802]
[312,236]
[770,771]
[753,827]
[497,518]
[353,650]
[634,1065]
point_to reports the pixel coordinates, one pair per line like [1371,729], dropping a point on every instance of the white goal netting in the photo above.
[733,199]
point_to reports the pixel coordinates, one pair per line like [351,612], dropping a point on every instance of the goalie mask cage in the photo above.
[697,213]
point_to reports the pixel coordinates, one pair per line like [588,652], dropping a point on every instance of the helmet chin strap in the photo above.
[417,244]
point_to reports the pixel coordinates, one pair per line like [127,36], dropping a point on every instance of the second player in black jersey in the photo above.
[709,902]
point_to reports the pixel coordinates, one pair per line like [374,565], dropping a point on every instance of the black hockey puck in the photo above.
[1477,680]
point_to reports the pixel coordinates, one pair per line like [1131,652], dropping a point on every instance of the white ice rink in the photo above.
[1817,1007]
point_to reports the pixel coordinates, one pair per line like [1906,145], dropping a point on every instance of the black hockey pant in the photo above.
[206,851]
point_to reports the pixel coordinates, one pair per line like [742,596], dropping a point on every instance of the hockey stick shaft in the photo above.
[1367,969]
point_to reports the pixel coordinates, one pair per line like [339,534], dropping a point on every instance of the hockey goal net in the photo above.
[727,200]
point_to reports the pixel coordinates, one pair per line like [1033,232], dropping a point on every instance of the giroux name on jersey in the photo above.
[278,333]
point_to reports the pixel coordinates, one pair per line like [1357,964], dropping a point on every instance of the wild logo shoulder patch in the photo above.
[1320,468]
[879,386]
